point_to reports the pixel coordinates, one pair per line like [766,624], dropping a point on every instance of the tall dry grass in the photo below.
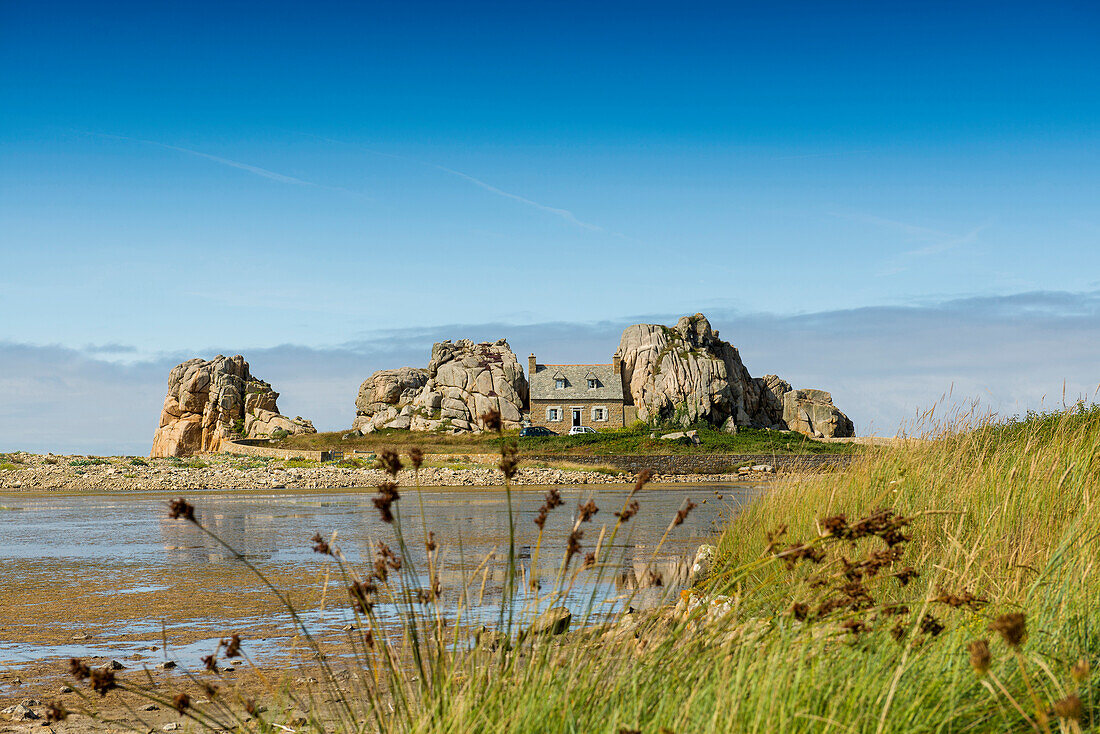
[944,585]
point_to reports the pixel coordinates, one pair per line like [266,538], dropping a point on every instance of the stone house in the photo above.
[567,395]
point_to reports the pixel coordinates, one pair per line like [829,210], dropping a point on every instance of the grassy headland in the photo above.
[634,440]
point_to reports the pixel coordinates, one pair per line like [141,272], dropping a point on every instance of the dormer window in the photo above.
[593,383]
[559,383]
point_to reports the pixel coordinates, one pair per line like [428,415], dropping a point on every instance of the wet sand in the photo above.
[108,576]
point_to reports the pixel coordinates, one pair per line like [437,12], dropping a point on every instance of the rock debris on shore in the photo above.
[29,472]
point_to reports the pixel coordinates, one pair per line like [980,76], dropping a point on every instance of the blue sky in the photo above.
[191,178]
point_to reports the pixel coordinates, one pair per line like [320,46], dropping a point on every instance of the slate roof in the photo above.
[542,381]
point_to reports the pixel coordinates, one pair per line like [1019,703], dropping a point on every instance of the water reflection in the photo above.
[127,544]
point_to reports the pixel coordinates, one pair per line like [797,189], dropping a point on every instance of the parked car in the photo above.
[578,430]
[535,431]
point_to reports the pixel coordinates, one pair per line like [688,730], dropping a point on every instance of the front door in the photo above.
[576,416]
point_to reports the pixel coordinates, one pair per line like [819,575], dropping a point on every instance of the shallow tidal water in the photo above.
[110,575]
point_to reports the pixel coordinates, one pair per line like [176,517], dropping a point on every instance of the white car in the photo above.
[578,430]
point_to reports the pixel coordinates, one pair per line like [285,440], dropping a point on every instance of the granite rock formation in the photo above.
[384,395]
[686,374]
[462,382]
[812,412]
[211,401]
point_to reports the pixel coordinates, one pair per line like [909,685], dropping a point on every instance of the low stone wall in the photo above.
[259,447]
[704,463]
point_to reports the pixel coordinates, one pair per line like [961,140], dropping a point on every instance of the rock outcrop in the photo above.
[209,402]
[386,396]
[463,381]
[686,374]
[812,412]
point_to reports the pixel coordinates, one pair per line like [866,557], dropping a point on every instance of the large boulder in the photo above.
[686,374]
[812,412]
[211,401]
[462,382]
[384,394]
[467,380]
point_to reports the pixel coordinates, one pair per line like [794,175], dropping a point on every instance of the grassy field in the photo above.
[621,441]
[942,586]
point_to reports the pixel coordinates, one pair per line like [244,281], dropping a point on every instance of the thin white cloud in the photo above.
[262,172]
[931,241]
[563,213]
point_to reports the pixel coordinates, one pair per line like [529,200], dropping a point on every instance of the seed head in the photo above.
[491,420]
[979,656]
[320,545]
[800,611]
[181,508]
[1069,708]
[182,702]
[963,599]
[387,495]
[589,560]
[210,662]
[587,510]
[628,512]
[929,625]
[643,478]
[1080,670]
[232,646]
[429,544]
[210,690]
[509,460]
[252,708]
[79,669]
[553,499]
[103,680]
[907,574]
[416,457]
[389,461]
[56,712]
[573,546]
[683,512]
[773,537]
[361,593]
[854,626]
[1012,627]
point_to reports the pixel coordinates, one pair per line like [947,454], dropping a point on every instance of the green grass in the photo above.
[634,440]
[95,461]
[794,632]
[8,466]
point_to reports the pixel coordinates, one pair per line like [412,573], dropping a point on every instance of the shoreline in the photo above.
[23,472]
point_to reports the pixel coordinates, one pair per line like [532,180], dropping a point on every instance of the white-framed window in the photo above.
[553,414]
[559,383]
[599,413]
[593,383]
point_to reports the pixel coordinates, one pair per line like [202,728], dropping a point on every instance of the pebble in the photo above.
[166,665]
[150,707]
[170,726]
[65,689]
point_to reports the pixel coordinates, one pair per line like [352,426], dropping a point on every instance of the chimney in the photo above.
[531,366]
[617,364]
